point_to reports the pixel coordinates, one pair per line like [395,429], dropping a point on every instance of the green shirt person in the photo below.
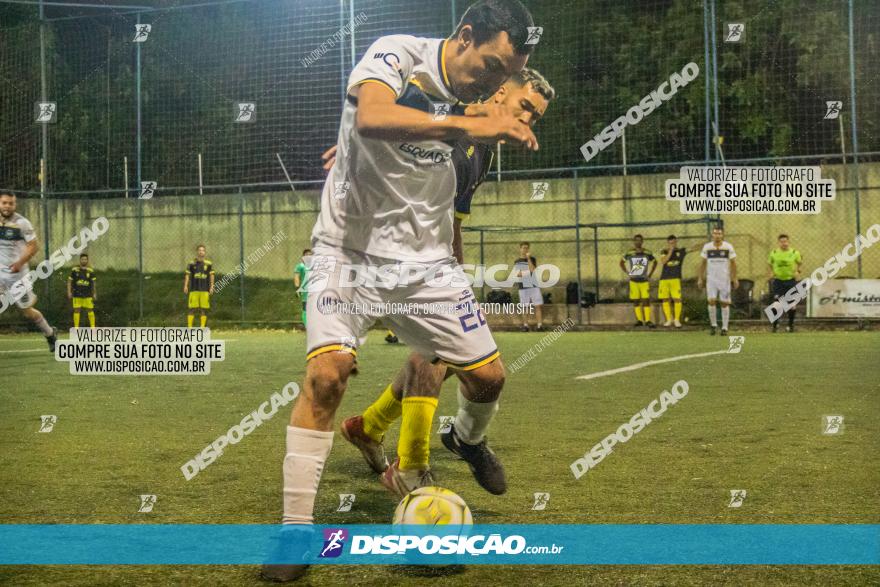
[300,273]
[784,264]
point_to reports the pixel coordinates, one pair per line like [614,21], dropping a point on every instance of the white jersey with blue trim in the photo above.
[392,199]
[15,232]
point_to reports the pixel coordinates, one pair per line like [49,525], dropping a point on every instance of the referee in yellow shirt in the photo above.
[785,268]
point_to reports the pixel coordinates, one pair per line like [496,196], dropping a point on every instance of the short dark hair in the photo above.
[718,227]
[201,247]
[638,236]
[782,236]
[7,193]
[671,237]
[526,243]
[86,255]
[306,251]
[539,83]
[490,17]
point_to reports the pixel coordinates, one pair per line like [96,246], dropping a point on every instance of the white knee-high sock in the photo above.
[307,451]
[473,419]
[725,317]
[713,316]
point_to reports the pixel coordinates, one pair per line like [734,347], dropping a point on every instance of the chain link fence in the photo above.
[228,105]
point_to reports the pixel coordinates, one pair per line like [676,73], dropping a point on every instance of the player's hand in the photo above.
[69,297]
[185,289]
[211,291]
[700,283]
[499,125]
[16,267]
[736,284]
[329,158]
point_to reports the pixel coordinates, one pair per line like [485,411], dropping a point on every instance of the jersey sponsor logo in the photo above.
[435,156]
[390,59]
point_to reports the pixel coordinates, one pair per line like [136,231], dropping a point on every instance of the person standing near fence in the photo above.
[785,269]
[635,264]
[717,271]
[529,292]
[669,288]
[300,274]
[82,291]
[198,284]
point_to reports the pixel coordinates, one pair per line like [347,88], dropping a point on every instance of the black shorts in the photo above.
[781,287]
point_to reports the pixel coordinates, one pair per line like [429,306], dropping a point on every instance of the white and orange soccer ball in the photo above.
[433,506]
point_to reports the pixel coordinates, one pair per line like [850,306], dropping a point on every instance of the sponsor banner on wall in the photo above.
[845,298]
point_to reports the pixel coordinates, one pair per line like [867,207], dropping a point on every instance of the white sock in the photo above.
[307,451]
[725,317]
[713,316]
[473,419]
[43,325]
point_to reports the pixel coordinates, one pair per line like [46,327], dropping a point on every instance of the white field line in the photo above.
[637,366]
[26,351]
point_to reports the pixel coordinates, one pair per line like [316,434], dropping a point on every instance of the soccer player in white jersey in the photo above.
[18,243]
[388,201]
[717,271]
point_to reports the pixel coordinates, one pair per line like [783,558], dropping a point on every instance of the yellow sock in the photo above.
[189,320]
[677,310]
[639,314]
[667,310]
[91,319]
[414,445]
[76,319]
[646,310]
[203,320]
[381,414]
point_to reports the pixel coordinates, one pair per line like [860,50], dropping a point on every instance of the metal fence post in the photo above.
[714,26]
[483,265]
[44,144]
[140,202]
[577,241]
[854,126]
[596,260]
[706,77]
[241,249]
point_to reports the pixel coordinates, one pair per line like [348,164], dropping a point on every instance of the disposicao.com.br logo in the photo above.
[433,545]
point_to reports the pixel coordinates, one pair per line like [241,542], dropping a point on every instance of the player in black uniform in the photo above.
[528,95]
[82,291]
[669,292]
[198,284]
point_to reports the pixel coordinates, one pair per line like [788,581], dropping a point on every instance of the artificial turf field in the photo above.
[750,421]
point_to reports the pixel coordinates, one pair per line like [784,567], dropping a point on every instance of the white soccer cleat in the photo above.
[677,323]
[668,323]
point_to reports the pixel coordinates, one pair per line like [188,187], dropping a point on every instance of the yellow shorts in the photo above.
[199,299]
[670,288]
[86,303]
[639,290]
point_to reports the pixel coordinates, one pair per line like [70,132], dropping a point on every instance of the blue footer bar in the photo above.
[604,544]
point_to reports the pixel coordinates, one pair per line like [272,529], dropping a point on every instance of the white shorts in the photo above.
[7,280]
[717,290]
[531,296]
[339,316]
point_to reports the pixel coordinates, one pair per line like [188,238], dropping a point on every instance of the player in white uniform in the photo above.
[717,271]
[388,200]
[18,243]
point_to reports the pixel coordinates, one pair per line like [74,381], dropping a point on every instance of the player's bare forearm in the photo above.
[30,249]
[457,248]
[296,282]
[733,270]
[186,283]
[69,291]
[212,283]
[379,117]
[702,272]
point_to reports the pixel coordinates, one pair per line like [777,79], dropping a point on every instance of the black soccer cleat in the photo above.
[776,326]
[712,330]
[524,328]
[723,332]
[651,324]
[391,339]
[485,466]
[638,324]
[293,544]
[52,339]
